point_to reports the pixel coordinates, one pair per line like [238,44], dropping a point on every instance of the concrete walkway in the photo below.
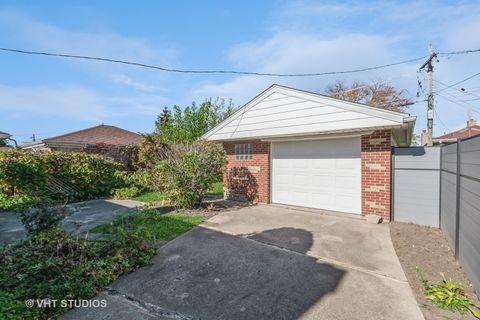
[267,262]
[83,217]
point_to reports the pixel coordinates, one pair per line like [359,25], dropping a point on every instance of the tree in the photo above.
[377,94]
[189,124]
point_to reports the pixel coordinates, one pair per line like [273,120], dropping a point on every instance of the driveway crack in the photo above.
[149,308]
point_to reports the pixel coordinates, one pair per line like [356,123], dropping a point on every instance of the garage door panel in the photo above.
[301,163]
[344,201]
[321,181]
[345,182]
[282,164]
[300,197]
[321,199]
[300,179]
[344,164]
[324,174]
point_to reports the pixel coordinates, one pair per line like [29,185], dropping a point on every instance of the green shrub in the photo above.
[133,184]
[23,172]
[53,265]
[127,192]
[25,176]
[188,171]
[91,174]
[42,219]
[17,203]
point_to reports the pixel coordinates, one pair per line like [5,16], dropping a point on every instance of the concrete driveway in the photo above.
[82,217]
[267,262]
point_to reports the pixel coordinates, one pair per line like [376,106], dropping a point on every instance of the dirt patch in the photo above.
[427,248]
[211,208]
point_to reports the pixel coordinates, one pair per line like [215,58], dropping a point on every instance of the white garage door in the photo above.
[324,174]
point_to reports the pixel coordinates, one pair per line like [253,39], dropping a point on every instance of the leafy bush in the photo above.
[22,172]
[91,174]
[133,184]
[53,265]
[25,177]
[188,172]
[17,203]
[42,219]
[127,192]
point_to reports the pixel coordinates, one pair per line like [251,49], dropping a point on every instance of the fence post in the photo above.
[440,158]
[457,208]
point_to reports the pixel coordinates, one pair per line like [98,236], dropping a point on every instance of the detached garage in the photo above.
[289,146]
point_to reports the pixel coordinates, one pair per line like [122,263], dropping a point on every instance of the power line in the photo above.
[209,71]
[461,92]
[468,107]
[461,81]
[459,52]
[440,120]
[138,64]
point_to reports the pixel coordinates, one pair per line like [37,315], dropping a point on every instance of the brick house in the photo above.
[103,139]
[299,148]
[471,130]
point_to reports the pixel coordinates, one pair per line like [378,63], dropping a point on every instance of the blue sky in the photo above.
[49,96]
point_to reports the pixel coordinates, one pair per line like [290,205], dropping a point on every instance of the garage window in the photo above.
[243,151]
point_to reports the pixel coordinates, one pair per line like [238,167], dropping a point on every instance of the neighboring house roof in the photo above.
[4,135]
[102,134]
[281,111]
[461,134]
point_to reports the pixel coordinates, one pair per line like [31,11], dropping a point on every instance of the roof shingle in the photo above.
[462,133]
[102,134]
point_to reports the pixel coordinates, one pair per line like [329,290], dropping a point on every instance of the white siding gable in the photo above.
[281,111]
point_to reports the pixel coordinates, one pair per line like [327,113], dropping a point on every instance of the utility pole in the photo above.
[429,65]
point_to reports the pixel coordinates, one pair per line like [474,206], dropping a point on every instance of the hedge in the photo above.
[27,175]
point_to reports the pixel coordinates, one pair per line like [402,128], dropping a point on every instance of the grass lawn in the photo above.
[149,196]
[153,196]
[152,225]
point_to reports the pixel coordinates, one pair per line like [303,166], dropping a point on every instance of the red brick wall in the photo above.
[248,178]
[376,178]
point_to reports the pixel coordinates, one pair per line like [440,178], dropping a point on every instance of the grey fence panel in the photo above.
[460,203]
[417,158]
[470,158]
[449,158]
[448,206]
[469,228]
[416,185]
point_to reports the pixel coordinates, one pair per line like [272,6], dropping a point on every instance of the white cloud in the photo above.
[128,97]
[76,102]
[129,82]
[100,43]
[300,53]
[61,101]
[316,37]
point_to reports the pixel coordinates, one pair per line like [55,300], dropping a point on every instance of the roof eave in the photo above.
[360,131]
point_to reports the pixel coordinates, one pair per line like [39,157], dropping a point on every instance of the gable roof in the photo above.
[102,134]
[281,111]
[461,134]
